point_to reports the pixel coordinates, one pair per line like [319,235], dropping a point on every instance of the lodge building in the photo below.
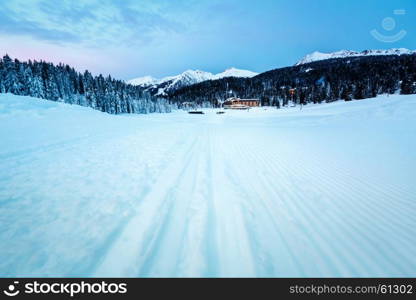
[230,102]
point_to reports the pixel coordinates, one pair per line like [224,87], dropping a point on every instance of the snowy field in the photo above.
[326,191]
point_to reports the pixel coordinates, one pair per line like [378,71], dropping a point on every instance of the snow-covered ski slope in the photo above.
[326,191]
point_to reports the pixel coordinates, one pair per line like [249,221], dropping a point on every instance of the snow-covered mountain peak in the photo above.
[192,76]
[187,78]
[317,56]
[143,81]
[234,72]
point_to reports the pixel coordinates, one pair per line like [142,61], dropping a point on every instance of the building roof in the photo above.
[243,100]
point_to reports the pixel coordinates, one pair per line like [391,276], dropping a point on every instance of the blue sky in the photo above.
[131,38]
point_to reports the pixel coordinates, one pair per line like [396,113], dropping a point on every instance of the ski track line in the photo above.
[265,264]
[237,257]
[366,180]
[365,192]
[305,210]
[190,259]
[262,167]
[128,254]
[284,269]
[101,245]
[340,182]
[357,212]
[115,233]
[332,220]
[163,255]
[199,251]
[210,245]
[281,253]
[299,175]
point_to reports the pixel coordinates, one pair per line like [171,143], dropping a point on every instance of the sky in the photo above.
[133,38]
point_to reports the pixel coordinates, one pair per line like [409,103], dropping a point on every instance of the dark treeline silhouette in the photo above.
[321,81]
[62,83]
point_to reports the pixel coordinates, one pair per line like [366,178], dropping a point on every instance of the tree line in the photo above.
[348,79]
[62,83]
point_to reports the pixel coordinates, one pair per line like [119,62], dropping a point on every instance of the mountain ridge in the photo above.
[162,86]
[319,56]
[347,78]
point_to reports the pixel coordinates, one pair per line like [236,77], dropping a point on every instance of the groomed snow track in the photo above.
[322,192]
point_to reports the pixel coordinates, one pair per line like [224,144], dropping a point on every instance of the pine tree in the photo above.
[63,83]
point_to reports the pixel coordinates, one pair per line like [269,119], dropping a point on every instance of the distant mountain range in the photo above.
[161,87]
[168,85]
[317,78]
[317,56]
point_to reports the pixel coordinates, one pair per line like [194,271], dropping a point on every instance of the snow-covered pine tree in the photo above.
[62,83]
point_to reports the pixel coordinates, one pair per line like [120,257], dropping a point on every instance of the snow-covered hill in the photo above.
[317,56]
[328,191]
[189,77]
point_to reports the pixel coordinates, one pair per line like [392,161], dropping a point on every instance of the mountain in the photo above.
[162,87]
[317,56]
[237,73]
[348,78]
[143,81]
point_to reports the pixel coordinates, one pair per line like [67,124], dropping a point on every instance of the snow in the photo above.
[144,81]
[233,72]
[326,191]
[187,78]
[317,56]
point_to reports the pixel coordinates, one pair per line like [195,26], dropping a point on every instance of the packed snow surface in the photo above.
[326,191]
[317,56]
